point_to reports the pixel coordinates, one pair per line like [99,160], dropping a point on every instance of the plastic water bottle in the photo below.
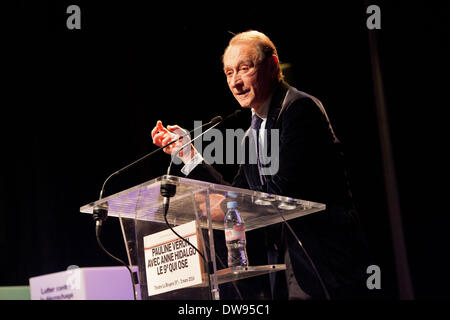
[235,237]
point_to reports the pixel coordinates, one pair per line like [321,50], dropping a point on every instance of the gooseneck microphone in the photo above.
[168,189]
[213,121]
[218,120]
[100,212]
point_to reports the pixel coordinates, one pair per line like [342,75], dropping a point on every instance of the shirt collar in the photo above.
[264,109]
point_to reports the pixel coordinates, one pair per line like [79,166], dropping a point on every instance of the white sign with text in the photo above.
[93,283]
[171,263]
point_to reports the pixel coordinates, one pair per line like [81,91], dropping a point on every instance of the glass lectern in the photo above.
[141,214]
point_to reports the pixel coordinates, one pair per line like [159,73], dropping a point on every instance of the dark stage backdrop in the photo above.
[79,104]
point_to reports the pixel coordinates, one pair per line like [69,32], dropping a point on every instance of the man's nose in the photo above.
[235,80]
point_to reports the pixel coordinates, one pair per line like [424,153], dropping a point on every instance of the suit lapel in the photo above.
[272,116]
[251,170]
[276,105]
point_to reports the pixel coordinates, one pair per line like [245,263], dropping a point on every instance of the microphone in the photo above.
[168,189]
[213,121]
[100,212]
[233,115]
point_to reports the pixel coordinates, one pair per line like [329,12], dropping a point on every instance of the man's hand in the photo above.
[215,200]
[162,136]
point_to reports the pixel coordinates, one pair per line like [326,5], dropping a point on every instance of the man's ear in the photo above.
[275,60]
[275,64]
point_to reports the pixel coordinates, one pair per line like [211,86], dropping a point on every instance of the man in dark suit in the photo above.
[309,166]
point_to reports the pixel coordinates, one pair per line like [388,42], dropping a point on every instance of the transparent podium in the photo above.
[162,257]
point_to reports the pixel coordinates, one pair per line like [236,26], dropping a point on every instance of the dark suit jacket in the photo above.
[310,168]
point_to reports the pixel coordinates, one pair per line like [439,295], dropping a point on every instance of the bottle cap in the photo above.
[232,194]
[231,205]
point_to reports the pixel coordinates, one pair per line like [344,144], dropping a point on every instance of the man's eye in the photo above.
[229,73]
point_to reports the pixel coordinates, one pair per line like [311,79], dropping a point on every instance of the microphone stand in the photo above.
[100,212]
[215,120]
[168,190]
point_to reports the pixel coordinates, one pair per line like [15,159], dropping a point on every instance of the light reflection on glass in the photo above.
[264,199]
[287,203]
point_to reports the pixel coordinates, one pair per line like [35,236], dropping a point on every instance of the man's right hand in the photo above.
[162,136]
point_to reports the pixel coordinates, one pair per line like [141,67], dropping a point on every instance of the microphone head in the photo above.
[234,114]
[220,119]
[216,120]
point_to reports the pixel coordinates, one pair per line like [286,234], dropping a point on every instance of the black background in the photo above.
[80,104]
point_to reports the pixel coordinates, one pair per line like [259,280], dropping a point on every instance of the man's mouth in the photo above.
[242,92]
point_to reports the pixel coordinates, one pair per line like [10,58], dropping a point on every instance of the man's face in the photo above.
[250,84]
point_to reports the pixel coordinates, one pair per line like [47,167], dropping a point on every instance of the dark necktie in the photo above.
[255,126]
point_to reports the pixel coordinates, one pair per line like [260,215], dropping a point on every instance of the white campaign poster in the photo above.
[171,263]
